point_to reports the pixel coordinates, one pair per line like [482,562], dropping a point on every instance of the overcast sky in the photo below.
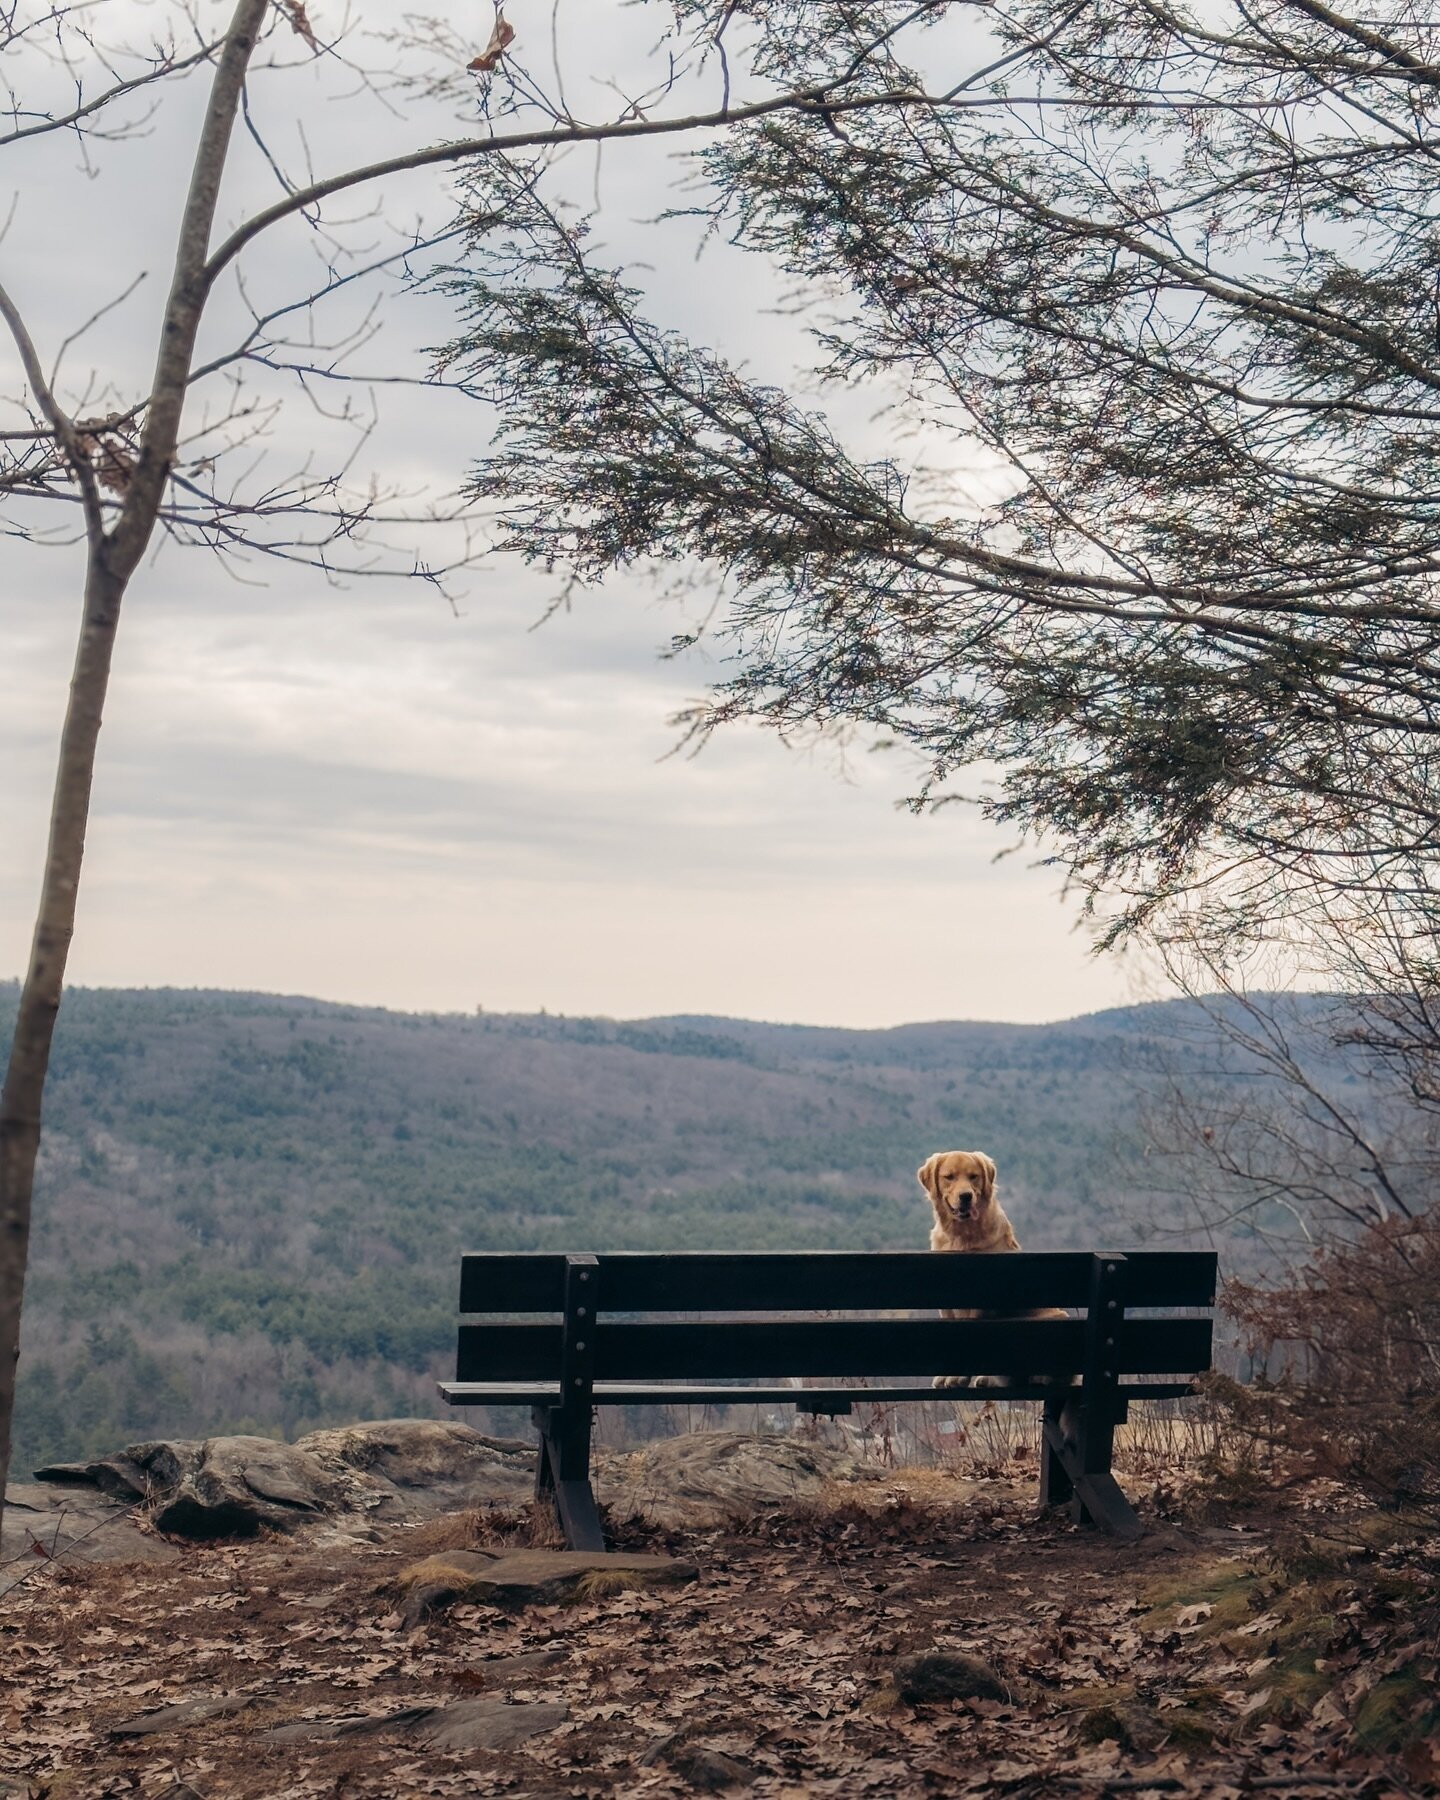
[365,795]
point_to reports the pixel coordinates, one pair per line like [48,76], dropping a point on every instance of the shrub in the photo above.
[1351,1355]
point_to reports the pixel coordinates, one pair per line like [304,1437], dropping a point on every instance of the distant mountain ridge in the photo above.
[250,1207]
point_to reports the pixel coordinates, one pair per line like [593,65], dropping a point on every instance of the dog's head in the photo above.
[960,1185]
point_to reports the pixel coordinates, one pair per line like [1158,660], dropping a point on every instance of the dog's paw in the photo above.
[951,1381]
[991,1381]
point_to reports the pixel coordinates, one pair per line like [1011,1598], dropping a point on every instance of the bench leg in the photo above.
[579,1517]
[1056,1486]
[1100,1501]
[1078,1441]
[562,1475]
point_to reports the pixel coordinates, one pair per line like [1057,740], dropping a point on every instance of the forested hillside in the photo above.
[250,1208]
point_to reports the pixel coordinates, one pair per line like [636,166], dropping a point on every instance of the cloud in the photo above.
[361,794]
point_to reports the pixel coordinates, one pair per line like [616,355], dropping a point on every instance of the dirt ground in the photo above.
[1208,1659]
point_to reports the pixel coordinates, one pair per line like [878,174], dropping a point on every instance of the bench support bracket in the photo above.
[562,1468]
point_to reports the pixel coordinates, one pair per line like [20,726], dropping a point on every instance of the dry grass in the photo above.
[1001,1441]
[529,1527]
[599,1584]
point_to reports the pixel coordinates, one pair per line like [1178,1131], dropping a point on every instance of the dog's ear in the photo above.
[989,1167]
[927,1172]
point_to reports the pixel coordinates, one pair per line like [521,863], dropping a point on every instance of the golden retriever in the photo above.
[960,1186]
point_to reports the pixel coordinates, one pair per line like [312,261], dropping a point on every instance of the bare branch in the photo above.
[66,435]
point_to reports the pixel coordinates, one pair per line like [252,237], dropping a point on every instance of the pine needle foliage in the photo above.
[1174,271]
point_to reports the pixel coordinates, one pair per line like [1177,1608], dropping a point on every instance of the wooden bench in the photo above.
[636,1328]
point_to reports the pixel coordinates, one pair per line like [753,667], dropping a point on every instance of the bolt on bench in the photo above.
[635,1328]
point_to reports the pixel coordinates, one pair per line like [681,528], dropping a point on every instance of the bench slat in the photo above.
[832,1280]
[616,1393]
[733,1349]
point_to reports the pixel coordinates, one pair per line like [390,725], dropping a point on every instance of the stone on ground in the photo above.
[704,1767]
[938,1675]
[428,1587]
[480,1724]
[183,1714]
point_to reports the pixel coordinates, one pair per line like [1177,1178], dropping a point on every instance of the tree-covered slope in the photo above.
[251,1208]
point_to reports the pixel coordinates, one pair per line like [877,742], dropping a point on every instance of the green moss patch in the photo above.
[1401,1709]
[1232,1590]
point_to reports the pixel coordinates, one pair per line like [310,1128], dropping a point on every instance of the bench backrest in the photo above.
[649,1342]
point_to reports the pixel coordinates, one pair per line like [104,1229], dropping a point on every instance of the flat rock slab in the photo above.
[539,1577]
[530,1578]
[479,1724]
[501,1672]
[340,1725]
[485,1724]
[183,1714]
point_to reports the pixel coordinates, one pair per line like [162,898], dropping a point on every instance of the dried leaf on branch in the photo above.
[111,454]
[500,39]
[294,11]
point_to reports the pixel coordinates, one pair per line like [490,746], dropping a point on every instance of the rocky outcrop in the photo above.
[236,1486]
[429,1466]
[223,1487]
[357,1476]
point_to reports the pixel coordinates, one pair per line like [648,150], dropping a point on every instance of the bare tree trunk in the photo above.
[113,557]
[20,1101]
